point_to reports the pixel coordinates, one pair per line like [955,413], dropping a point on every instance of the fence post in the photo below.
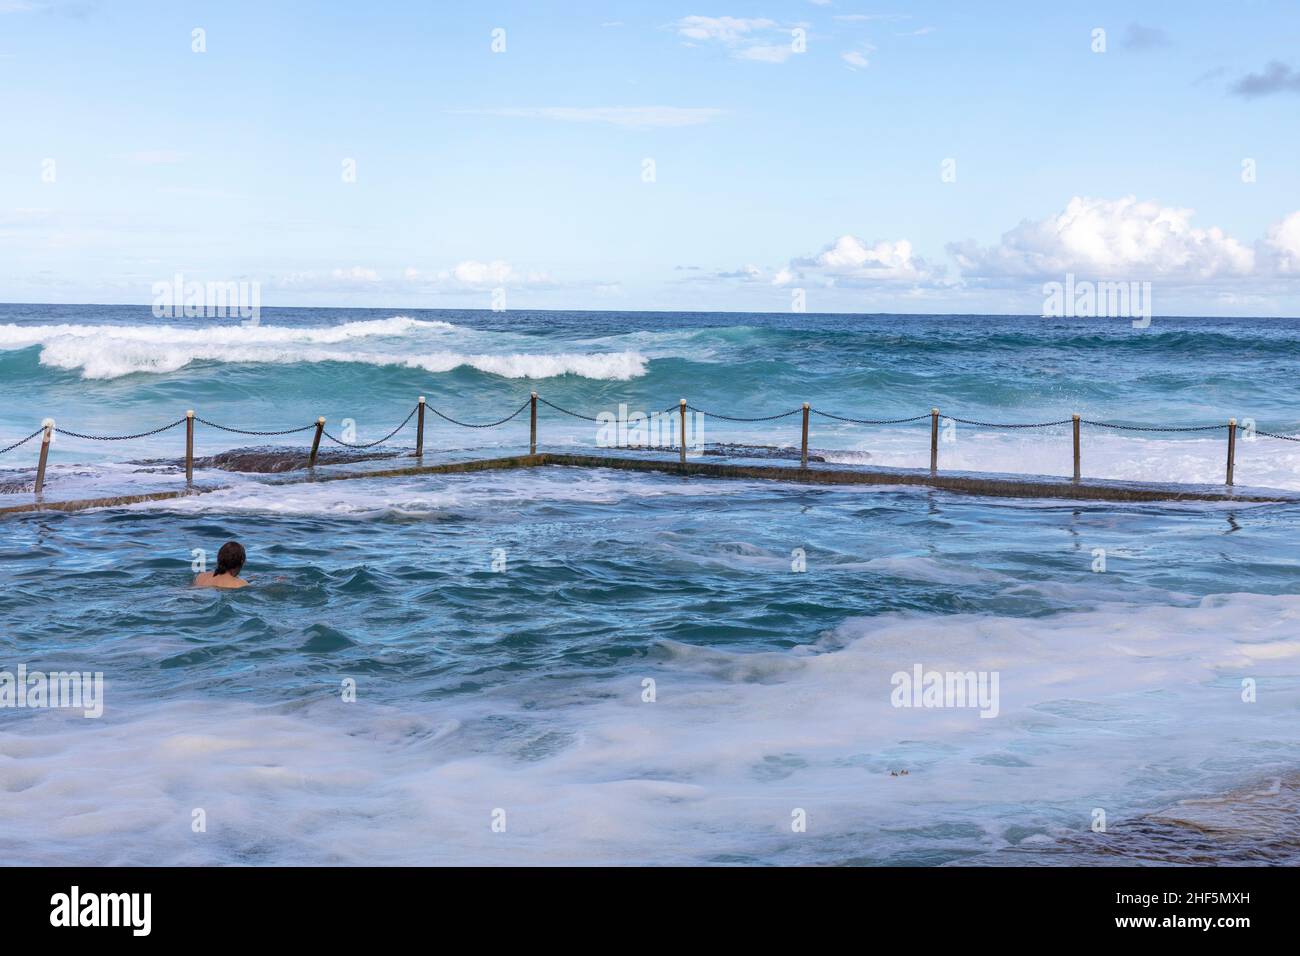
[315,443]
[1232,446]
[189,447]
[419,429]
[803,458]
[1076,447]
[683,434]
[532,426]
[934,439]
[48,425]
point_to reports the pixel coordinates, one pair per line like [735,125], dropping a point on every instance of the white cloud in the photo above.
[474,274]
[1120,239]
[727,30]
[858,58]
[757,39]
[469,275]
[1105,238]
[1280,248]
[852,261]
[848,262]
[627,117]
[471,272]
[355,274]
[746,273]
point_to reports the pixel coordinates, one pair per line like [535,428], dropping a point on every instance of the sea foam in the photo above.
[1124,707]
[111,351]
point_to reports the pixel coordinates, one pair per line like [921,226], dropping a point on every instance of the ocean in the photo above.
[553,665]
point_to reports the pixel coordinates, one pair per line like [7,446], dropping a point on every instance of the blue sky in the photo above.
[795,146]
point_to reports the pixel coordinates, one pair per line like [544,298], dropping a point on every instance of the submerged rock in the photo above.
[268,461]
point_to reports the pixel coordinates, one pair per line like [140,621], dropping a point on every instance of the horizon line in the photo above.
[377,308]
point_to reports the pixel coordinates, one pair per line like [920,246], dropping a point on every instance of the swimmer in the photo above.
[230,561]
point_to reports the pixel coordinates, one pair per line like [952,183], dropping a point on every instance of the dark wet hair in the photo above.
[230,559]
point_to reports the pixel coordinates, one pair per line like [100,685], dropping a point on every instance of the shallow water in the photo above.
[523,689]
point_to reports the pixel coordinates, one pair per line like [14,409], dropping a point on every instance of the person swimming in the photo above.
[230,561]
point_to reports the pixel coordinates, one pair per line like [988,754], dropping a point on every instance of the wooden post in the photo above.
[1076,447]
[683,434]
[419,429]
[45,453]
[1232,446]
[532,426]
[803,457]
[934,439]
[189,447]
[315,444]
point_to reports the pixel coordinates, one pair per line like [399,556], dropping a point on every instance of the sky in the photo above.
[847,156]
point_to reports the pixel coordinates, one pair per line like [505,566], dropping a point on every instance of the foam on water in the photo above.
[1125,708]
[111,351]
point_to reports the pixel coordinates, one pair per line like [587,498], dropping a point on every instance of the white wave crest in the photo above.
[620,366]
[230,333]
[111,351]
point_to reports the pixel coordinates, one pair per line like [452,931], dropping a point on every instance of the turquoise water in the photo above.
[501,628]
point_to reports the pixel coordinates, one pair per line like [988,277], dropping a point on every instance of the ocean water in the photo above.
[506,631]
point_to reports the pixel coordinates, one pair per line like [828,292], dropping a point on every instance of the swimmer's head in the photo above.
[230,559]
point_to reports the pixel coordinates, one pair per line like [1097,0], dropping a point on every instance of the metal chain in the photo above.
[22,441]
[731,418]
[373,443]
[586,418]
[1257,432]
[870,421]
[486,424]
[966,421]
[243,431]
[71,434]
[1154,428]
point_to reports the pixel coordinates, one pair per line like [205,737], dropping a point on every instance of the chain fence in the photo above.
[932,415]
[378,441]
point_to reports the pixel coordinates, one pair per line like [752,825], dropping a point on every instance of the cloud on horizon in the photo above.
[469,275]
[1119,239]
[1108,238]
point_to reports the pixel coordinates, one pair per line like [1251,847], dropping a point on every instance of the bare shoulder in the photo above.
[225,582]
